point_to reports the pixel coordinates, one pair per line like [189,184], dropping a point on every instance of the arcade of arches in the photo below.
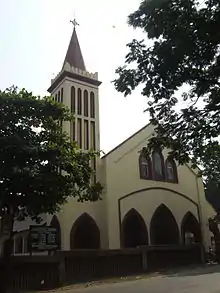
[163,229]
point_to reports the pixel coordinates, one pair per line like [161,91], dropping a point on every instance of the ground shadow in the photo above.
[192,271]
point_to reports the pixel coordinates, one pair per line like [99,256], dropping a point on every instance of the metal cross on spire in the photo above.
[74,22]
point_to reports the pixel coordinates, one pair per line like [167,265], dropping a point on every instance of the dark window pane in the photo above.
[86,106]
[61,100]
[92,105]
[79,101]
[73,99]
[86,135]
[79,132]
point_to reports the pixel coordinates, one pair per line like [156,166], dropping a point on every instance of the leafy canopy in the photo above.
[39,166]
[178,65]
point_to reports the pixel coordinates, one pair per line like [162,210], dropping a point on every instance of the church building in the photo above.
[146,200]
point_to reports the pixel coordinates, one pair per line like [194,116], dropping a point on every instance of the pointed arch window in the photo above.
[145,167]
[79,101]
[59,97]
[171,171]
[158,165]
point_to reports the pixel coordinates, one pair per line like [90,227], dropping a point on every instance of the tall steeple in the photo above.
[78,89]
[74,55]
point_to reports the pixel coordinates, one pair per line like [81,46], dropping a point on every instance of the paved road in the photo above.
[203,280]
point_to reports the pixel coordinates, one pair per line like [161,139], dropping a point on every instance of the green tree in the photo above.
[178,65]
[40,167]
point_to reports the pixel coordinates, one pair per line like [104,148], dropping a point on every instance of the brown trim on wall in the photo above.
[147,189]
[75,76]
[158,188]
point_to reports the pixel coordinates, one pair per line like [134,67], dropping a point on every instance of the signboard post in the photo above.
[42,238]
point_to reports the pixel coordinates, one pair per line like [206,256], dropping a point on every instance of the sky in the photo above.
[34,38]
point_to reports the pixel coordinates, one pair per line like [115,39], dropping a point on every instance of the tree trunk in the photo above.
[6,258]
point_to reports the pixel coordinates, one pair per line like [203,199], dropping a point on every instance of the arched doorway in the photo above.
[190,229]
[85,233]
[56,224]
[134,230]
[163,227]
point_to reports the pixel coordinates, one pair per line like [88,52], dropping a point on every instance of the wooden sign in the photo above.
[43,238]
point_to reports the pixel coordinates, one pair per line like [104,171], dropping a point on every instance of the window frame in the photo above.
[156,176]
[142,164]
[175,173]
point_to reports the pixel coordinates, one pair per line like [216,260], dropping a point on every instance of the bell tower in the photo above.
[78,89]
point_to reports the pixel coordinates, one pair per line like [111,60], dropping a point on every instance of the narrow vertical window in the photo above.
[73,99]
[86,135]
[86,105]
[158,165]
[79,132]
[145,167]
[79,101]
[61,99]
[92,136]
[73,130]
[56,97]
[171,171]
[92,105]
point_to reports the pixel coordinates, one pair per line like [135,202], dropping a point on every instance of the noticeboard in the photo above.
[43,238]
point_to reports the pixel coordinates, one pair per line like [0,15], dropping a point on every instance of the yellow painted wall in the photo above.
[122,178]
[118,172]
[72,210]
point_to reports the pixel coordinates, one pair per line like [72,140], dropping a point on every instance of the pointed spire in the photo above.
[74,55]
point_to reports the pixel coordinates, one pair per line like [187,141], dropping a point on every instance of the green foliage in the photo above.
[39,166]
[181,53]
